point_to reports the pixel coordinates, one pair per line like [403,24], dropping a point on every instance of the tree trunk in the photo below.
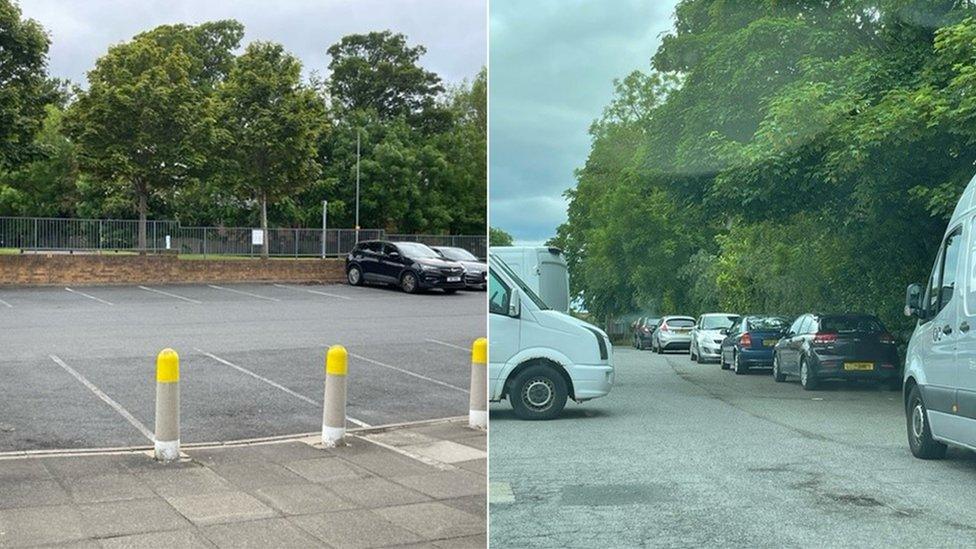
[142,218]
[264,224]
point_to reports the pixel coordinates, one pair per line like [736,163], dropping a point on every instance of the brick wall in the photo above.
[64,269]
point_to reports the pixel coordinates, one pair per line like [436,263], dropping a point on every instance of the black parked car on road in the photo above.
[475,270]
[410,265]
[643,328]
[848,346]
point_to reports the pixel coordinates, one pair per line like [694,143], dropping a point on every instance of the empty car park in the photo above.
[78,363]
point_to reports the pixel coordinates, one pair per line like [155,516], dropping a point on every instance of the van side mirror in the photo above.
[913,301]
[514,305]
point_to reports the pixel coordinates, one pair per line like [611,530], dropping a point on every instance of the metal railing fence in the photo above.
[120,235]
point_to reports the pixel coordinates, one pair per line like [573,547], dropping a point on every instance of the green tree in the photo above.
[146,122]
[25,89]
[48,185]
[272,123]
[498,237]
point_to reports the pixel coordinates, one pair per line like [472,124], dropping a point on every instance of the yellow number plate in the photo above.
[859,366]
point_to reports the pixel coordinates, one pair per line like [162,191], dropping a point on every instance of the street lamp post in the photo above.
[358,130]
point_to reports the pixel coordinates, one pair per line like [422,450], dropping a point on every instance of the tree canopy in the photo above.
[176,123]
[782,156]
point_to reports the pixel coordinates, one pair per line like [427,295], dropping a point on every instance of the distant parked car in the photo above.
[643,329]
[475,270]
[410,265]
[707,335]
[849,346]
[672,333]
[749,342]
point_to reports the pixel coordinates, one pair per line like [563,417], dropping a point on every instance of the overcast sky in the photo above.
[552,68]
[454,31]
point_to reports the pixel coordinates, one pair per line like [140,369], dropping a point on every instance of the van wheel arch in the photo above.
[544,362]
[910,384]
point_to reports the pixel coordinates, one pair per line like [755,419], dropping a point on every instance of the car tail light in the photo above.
[664,327]
[887,338]
[745,340]
[822,338]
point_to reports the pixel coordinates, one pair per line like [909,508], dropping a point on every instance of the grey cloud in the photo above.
[455,33]
[552,65]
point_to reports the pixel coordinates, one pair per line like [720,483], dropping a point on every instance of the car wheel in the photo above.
[807,381]
[738,366]
[694,357]
[920,439]
[408,282]
[778,376]
[538,392]
[354,276]
[721,361]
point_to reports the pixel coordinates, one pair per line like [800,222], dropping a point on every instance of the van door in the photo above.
[938,338]
[966,342]
[503,338]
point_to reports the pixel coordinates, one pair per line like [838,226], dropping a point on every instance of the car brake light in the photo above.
[822,338]
[887,338]
[664,327]
[745,340]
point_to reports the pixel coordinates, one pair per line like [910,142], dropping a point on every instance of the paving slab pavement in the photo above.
[421,484]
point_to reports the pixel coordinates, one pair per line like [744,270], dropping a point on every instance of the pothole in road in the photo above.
[616,494]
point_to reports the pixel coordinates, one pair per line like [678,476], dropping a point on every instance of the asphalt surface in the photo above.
[74,363]
[688,455]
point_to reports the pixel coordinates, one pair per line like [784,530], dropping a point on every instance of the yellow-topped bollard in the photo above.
[334,409]
[167,443]
[478,410]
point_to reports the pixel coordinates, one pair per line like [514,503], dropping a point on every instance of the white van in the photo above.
[940,364]
[538,357]
[543,268]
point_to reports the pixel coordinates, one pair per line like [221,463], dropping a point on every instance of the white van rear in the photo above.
[542,268]
[539,357]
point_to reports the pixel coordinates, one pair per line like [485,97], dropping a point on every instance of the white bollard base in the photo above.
[478,419]
[167,450]
[333,436]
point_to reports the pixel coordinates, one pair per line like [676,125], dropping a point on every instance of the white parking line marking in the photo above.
[89,296]
[107,399]
[170,295]
[423,459]
[451,345]
[312,291]
[242,292]
[5,304]
[409,373]
[243,370]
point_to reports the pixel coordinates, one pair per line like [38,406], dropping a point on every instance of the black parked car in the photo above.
[410,265]
[848,346]
[475,270]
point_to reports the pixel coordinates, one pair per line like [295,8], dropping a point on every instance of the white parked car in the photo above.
[707,335]
[539,357]
[673,333]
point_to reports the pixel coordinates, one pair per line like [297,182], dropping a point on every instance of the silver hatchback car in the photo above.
[673,333]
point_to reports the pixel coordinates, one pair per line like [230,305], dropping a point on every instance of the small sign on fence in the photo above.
[257,237]
[168,243]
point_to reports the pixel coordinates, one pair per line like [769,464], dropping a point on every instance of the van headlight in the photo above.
[602,343]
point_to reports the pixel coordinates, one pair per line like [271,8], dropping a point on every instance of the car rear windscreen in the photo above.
[717,322]
[851,324]
[681,323]
[763,323]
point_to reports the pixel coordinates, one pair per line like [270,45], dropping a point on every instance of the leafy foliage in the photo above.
[788,156]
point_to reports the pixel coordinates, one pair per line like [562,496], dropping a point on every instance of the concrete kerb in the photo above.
[123,450]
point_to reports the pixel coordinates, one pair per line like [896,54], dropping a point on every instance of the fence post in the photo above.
[35,233]
[204,242]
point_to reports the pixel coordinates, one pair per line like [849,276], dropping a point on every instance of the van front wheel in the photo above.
[538,392]
[920,439]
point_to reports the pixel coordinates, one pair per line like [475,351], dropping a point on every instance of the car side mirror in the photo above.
[514,305]
[913,301]
[724,331]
